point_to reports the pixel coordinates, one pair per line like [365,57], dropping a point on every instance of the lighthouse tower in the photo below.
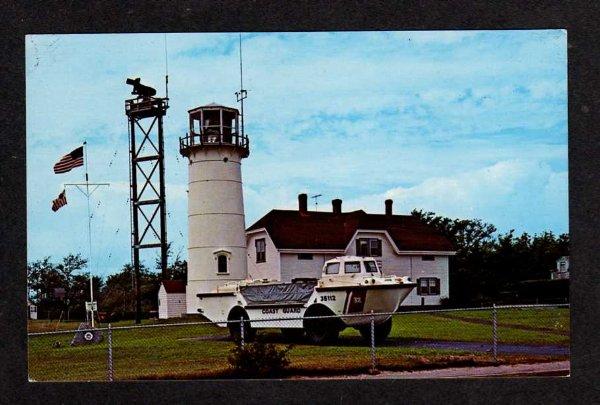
[216,227]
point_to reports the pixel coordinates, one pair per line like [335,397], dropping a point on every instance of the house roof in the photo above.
[174,286]
[327,230]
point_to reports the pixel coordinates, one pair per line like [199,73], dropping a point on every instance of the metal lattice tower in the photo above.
[147,192]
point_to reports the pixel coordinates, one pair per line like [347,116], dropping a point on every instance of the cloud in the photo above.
[486,193]
[353,115]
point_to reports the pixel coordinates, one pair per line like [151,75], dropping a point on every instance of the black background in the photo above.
[582,21]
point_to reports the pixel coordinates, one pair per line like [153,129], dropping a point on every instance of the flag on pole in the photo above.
[69,161]
[59,202]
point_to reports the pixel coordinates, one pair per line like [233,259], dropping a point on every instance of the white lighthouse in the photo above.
[216,226]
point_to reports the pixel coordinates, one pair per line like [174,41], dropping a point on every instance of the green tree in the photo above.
[44,278]
[486,264]
[176,268]
[118,295]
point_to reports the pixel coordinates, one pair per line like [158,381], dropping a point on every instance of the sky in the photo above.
[467,124]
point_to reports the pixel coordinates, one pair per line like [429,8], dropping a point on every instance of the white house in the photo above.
[289,244]
[171,299]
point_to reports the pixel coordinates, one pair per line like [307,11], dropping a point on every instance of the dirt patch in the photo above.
[484,347]
[217,338]
[409,363]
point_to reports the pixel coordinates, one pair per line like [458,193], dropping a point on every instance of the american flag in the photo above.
[59,202]
[69,161]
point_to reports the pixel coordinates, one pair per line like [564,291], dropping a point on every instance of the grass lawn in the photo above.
[556,319]
[430,326]
[547,325]
[198,351]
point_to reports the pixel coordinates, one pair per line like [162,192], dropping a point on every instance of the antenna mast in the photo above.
[166,70]
[242,94]
[315,197]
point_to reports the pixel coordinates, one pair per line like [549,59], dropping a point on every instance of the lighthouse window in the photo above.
[261,253]
[222,264]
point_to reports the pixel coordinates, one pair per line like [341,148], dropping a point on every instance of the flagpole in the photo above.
[87,189]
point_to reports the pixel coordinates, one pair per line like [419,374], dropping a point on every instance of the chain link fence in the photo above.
[410,340]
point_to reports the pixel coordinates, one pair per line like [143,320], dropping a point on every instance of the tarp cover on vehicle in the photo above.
[298,292]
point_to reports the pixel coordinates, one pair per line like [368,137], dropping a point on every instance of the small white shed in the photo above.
[171,299]
[32,310]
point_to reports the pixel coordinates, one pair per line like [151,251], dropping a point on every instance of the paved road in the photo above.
[503,348]
[558,368]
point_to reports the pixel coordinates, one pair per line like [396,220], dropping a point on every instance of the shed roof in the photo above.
[174,286]
[291,229]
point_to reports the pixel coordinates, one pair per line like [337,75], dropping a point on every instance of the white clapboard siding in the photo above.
[170,305]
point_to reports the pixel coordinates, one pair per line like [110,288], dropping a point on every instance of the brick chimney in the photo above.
[388,207]
[302,202]
[337,206]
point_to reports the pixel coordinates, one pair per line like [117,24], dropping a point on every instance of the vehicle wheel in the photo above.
[235,327]
[292,334]
[382,331]
[321,330]
[319,333]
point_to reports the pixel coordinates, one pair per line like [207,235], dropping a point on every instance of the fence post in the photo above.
[495,332]
[373,369]
[242,331]
[110,354]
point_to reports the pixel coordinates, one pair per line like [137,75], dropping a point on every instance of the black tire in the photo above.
[382,331]
[235,327]
[321,331]
[292,334]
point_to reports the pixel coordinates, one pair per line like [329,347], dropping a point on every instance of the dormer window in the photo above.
[368,247]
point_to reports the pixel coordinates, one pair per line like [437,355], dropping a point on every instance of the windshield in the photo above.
[352,267]
[370,266]
[332,268]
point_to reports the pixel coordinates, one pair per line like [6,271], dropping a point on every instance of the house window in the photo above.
[305,256]
[368,247]
[332,268]
[222,264]
[352,267]
[427,258]
[428,286]
[261,251]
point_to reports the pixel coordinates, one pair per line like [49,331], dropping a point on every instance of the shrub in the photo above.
[258,359]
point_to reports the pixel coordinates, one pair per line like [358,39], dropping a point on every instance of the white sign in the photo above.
[91,306]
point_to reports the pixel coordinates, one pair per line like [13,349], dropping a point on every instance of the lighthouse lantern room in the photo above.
[215,147]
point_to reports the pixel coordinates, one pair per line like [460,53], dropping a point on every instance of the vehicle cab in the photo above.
[351,270]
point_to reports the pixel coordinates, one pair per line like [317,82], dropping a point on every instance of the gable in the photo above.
[173,286]
[326,230]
